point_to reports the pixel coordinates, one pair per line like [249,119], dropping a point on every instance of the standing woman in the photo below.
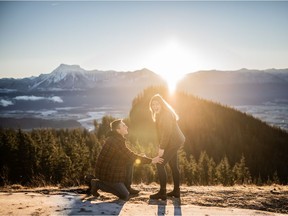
[170,139]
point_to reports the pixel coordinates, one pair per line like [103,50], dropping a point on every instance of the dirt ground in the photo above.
[195,200]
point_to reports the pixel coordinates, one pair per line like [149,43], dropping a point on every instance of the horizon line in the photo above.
[145,68]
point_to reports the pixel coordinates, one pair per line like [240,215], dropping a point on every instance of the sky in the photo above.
[170,38]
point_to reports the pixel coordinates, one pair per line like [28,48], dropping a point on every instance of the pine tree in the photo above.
[259,180]
[104,128]
[96,125]
[48,156]
[275,178]
[26,157]
[190,171]
[62,168]
[203,168]
[241,174]
[212,178]
[8,153]
[224,173]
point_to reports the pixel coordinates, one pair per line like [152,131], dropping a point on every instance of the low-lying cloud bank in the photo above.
[5,103]
[55,99]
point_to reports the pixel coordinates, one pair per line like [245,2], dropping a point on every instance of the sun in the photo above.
[171,60]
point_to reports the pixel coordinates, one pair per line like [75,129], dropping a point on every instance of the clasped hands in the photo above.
[159,158]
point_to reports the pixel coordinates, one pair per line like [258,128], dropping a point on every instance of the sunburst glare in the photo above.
[172,60]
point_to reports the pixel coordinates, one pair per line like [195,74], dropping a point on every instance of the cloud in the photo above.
[29,98]
[55,99]
[5,103]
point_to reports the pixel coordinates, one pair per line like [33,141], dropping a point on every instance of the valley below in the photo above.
[72,97]
[71,114]
[71,117]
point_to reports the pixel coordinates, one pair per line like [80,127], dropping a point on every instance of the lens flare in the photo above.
[137,161]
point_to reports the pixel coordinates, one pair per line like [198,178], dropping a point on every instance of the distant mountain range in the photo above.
[71,92]
[238,87]
[110,87]
[70,86]
[73,77]
[228,87]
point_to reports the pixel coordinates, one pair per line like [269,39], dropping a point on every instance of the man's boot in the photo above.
[133,191]
[87,180]
[95,187]
[160,195]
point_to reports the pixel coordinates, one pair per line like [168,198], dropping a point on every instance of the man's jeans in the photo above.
[119,189]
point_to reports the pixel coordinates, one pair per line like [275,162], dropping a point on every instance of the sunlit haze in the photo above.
[172,60]
[167,37]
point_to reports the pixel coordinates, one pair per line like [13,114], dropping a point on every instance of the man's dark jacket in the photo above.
[114,158]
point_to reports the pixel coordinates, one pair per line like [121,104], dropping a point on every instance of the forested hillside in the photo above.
[223,146]
[64,157]
[219,131]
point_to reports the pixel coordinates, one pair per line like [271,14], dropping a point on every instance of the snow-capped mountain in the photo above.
[64,77]
[73,77]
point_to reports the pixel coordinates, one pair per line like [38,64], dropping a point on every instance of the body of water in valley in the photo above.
[271,113]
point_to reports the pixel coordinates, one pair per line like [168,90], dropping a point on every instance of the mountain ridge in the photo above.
[74,77]
[67,77]
[70,86]
[238,87]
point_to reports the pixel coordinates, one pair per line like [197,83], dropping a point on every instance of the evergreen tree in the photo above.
[188,169]
[26,157]
[96,125]
[212,178]
[276,178]
[203,168]
[8,153]
[259,180]
[48,158]
[241,174]
[62,168]
[224,173]
[104,128]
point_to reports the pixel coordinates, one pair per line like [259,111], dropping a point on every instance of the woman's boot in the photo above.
[175,193]
[160,195]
